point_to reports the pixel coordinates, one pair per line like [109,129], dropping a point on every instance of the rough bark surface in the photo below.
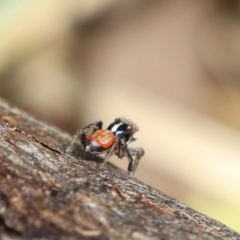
[47,194]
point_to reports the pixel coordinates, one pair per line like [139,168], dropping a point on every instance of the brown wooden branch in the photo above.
[45,193]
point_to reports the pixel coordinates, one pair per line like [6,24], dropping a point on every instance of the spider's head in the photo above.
[124,128]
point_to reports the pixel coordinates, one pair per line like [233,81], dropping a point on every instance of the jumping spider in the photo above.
[114,139]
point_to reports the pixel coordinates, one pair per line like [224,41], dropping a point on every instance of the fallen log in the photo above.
[48,194]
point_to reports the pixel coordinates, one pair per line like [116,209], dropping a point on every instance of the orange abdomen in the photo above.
[102,138]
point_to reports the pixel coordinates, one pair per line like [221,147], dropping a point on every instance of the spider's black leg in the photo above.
[130,159]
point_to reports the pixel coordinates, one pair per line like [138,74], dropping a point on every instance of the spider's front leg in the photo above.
[93,127]
[128,155]
[137,153]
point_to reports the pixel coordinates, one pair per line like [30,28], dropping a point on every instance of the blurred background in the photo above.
[173,67]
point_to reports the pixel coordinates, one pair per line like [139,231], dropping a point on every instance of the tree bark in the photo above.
[47,194]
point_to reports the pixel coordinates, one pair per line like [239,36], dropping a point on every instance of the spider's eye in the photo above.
[130,128]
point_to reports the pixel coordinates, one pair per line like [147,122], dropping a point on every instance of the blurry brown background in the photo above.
[171,66]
